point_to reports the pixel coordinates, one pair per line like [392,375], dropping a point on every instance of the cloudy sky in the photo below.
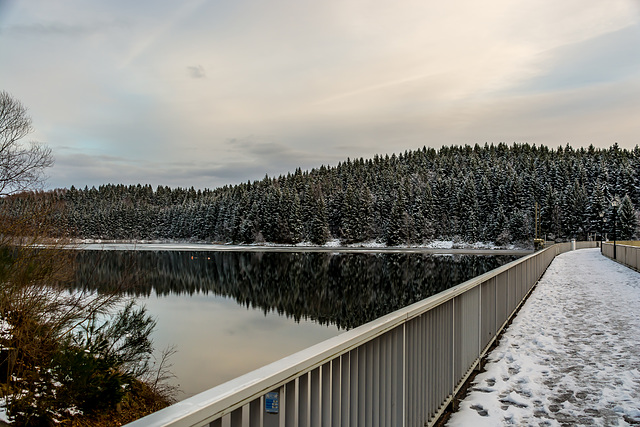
[207,93]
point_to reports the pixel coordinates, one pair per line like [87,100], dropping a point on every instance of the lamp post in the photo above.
[614,203]
[601,229]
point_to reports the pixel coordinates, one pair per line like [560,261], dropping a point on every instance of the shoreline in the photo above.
[205,247]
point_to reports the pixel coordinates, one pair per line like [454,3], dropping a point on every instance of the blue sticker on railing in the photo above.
[271,402]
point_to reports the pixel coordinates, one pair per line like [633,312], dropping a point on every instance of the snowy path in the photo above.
[571,355]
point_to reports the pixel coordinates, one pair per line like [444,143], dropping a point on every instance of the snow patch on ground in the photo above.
[369,244]
[334,243]
[5,329]
[440,244]
[571,355]
[4,418]
[451,244]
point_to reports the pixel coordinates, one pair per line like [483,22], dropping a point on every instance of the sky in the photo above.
[208,93]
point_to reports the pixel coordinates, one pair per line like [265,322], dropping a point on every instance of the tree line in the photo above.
[466,193]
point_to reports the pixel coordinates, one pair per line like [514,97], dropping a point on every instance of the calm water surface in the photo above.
[228,313]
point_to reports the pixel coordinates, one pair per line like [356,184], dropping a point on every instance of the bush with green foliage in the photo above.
[65,364]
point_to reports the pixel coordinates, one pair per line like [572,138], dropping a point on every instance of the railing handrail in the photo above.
[610,243]
[225,398]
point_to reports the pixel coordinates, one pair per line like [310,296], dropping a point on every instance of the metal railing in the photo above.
[625,254]
[402,369]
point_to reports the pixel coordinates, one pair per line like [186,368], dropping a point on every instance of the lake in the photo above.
[229,313]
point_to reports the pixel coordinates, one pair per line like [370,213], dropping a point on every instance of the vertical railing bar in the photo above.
[495,310]
[336,390]
[378,397]
[236,418]
[411,374]
[362,385]
[439,344]
[381,386]
[370,380]
[345,388]
[452,379]
[255,413]
[414,377]
[404,374]
[414,372]
[304,403]
[315,406]
[291,407]
[281,415]
[325,393]
[441,339]
[450,343]
[225,421]
[246,416]
[383,393]
[422,401]
[440,356]
[354,392]
[480,317]
[436,342]
[388,375]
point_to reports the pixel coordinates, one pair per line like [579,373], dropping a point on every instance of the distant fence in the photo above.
[625,254]
[402,369]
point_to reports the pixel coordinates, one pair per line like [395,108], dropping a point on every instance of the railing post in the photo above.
[404,374]
[290,407]
[480,334]
[326,392]
[354,383]
[315,406]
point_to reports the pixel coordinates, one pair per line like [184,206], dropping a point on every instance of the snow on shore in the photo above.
[91,244]
[571,355]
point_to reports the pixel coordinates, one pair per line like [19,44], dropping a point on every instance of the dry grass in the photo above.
[629,242]
[140,401]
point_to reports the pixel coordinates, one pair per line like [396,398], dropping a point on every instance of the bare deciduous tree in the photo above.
[21,166]
[62,350]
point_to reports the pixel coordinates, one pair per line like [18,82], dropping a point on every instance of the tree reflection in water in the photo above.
[345,289]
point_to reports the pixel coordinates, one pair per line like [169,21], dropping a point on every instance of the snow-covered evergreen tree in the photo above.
[475,193]
[627,219]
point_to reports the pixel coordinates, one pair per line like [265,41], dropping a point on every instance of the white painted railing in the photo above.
[625,254]
[402,369]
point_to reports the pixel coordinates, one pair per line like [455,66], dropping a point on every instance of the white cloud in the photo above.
[324,80]
[197,72]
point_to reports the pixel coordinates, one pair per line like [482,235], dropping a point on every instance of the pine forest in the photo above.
[488,193]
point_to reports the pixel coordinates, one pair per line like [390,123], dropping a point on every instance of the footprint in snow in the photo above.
[484,389]
[480,410]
